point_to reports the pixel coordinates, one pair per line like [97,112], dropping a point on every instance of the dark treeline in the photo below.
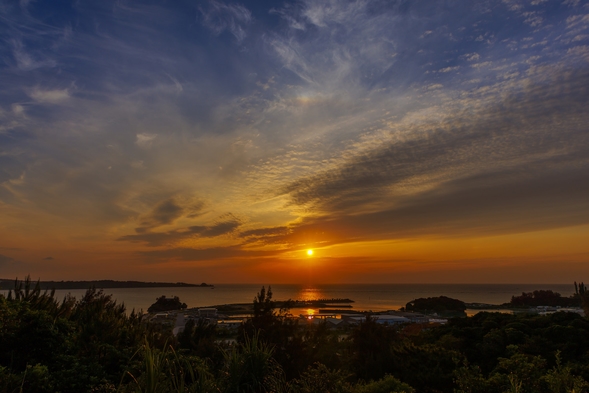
[8,284]
[92,345]
[547,298]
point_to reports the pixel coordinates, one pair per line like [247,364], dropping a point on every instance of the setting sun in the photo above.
[294,154]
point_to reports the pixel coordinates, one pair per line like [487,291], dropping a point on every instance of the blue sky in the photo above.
[219,140]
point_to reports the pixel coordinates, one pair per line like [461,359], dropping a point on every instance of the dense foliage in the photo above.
[544,298]
[550,298]
[66,346]
[92,345]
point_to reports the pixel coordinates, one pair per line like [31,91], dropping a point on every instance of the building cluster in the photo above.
[178,319]
[547,310]
[385,318]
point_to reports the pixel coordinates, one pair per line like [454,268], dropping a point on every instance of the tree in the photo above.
[371,349]
[319,379]
[427,368]
[560,379]
[470,379]
[520,372]
[388,384]
[263,306]
[542,298]
[583,294]
[275,330]
[199,339]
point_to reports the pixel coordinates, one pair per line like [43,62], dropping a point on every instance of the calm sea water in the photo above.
[375,297]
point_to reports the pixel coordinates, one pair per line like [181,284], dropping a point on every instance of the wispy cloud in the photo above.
[352,44]
[49,96]
[5,260]
[26,61]
[145,140]
[219,17]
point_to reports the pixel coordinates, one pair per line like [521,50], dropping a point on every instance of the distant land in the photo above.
[6,284]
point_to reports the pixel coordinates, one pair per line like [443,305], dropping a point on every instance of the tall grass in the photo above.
[248,368]
[166,372]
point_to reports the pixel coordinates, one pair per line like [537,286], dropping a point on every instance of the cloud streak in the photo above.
[154,239]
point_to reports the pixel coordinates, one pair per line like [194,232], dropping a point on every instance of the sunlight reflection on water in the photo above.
[309,294]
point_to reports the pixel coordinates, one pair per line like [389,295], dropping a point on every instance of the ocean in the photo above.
[366,297]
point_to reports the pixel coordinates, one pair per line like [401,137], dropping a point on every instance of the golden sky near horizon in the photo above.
[219,141]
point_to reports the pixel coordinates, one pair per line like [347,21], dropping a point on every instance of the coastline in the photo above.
[8,284]
[369,297]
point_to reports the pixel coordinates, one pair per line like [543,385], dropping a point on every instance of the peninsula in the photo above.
[6,284]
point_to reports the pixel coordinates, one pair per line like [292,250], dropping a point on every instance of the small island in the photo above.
[164,303]
[441,305]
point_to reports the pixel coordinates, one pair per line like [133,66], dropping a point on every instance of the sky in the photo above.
[218,141]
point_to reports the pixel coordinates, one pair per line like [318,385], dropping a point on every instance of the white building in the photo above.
[207,313]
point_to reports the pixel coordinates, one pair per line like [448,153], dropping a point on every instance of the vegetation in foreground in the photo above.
[92,345]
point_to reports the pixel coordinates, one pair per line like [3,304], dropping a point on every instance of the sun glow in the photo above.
[309,252]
